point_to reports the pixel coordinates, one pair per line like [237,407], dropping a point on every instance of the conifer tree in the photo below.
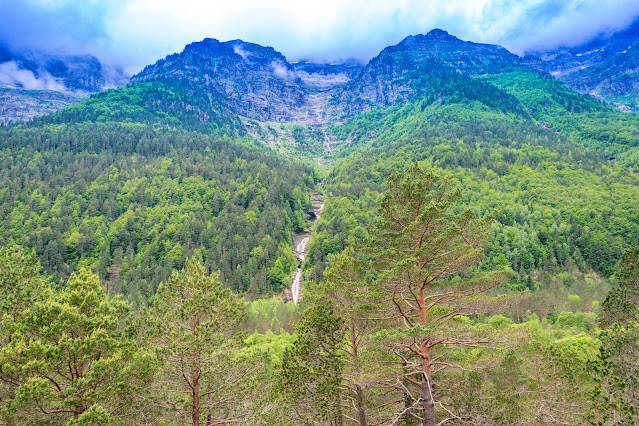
[70,360]
[203,377]
[311,374]
[356,299]
[616,400]
[421,244]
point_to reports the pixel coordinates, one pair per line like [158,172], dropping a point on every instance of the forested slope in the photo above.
[560,206]
[473,263]
[124,184]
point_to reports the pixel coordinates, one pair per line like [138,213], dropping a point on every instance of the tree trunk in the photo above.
[360,393]
[428,403]
[427,388]
[360,405]
[196,399]
[408,417]
[340,418]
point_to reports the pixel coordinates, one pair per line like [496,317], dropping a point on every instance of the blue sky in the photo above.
[133,33]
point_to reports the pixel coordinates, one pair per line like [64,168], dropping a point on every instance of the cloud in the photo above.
[280,71]
[238,50]
[71,26]
[134,33]
[547,24]
[12,76]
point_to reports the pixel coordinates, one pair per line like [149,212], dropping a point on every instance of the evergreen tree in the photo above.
[420,245]
[70,360]
[616,400]
[203,377]
[312,370]
[355,299]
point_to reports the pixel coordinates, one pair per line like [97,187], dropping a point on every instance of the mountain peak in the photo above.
[440,34]
[434,36]
[257,81]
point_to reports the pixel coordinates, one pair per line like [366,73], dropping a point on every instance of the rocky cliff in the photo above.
[606,67]
[258,82]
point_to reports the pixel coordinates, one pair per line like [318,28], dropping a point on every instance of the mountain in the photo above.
[69,73]
[257,81]
[606,67]
[433,98]
[36,83]
[436,65]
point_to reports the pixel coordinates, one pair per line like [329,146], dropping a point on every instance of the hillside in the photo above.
[440,202]
[454,104]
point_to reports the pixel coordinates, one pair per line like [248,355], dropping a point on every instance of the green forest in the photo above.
[476,260]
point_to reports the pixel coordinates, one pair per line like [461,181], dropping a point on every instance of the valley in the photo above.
[446,233]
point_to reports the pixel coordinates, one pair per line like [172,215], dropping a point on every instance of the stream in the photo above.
[301,247]
[327,145]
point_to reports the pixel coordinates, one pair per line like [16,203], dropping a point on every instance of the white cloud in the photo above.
[280,71]
[12,76]
[138,32]
[238,50]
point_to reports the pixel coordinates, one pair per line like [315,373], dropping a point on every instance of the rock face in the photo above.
[606,67]
[417,64]
[321,77]
[23,105]
[258,82]
[33,83]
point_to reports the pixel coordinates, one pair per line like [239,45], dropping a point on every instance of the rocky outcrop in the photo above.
[22,105]
[606,67]
[322,77]
[257,81]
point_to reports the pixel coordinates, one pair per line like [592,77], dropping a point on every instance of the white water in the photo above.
[327,143]
[296,287]
[301,248]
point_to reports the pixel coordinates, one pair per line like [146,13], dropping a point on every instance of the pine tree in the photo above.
[70,359]
[355,299]
[311,373]
[616,400]
[203,377]
[420,245]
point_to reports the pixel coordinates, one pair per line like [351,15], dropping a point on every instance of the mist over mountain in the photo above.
[32,70]
[261,83]
[442,201]
[605,67]
[36,83]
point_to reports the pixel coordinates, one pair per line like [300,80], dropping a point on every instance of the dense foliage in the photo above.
[134,201]
[160,193]
[559,206]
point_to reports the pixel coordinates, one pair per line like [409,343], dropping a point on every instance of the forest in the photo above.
[403,329]
[476,260]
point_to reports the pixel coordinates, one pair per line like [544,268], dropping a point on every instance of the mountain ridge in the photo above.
[605,67]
